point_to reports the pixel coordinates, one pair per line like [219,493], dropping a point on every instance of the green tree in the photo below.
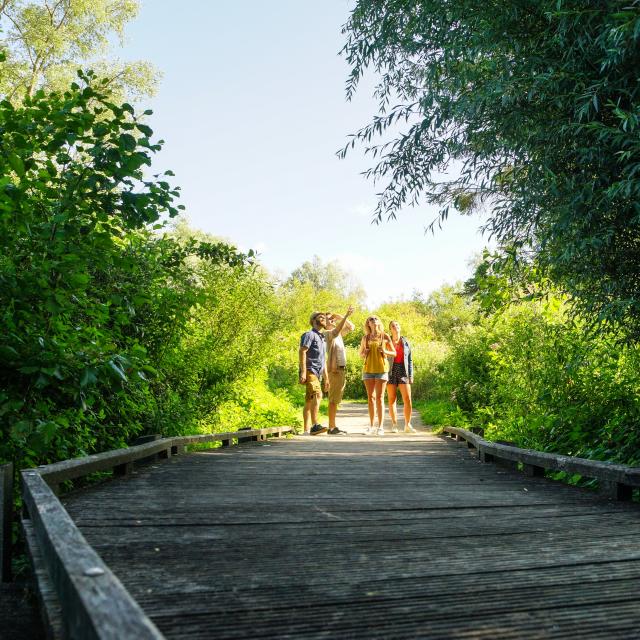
[45,42]
[329,277]
[538,103]
[89,296]
[448,310]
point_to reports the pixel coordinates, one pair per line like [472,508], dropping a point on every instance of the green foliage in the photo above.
[253,405]
[411,315]
[92,300]
[329,281]
[46,42]
[529,376]
[538,102]
[228,339]
[447,309]
[354,387]
[441,413]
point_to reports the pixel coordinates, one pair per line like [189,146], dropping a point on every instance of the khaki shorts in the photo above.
[313,387]
[337,382]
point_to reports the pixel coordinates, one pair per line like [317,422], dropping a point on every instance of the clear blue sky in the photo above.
[252,109]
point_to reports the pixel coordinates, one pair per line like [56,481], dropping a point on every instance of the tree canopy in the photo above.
[90,297]
[537,102]
[45,42]
[328,277]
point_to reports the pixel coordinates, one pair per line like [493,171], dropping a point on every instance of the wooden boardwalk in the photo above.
[364,537]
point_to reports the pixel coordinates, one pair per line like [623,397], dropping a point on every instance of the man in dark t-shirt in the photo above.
[313,371]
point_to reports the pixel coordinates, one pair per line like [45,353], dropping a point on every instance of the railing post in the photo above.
[484,456]
[122,470]
[533,471]
[616,490]
[6,520]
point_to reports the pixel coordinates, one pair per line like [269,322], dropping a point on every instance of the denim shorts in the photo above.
[375,376]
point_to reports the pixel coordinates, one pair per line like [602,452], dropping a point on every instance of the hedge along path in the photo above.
[364,537]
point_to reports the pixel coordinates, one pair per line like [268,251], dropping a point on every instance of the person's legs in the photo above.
[405,390]
[315,407]
[379,386]
[392,394]
[370,385]
[333,409]
[312,400]
[306,416]
[336,389]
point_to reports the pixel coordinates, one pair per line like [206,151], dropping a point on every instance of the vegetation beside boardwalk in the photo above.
[119,320]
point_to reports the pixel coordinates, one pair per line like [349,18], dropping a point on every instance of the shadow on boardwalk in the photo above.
[364,537]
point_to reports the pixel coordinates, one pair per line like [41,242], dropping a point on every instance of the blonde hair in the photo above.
[377,322]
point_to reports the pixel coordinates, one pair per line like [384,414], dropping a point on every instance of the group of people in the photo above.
[323,363]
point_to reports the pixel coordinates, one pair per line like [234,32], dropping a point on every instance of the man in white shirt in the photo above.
[337,326]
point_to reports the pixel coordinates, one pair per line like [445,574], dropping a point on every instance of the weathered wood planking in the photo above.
[119,459]
[356,537]
[616,480]
[50,610]
[6,519]
[92,602]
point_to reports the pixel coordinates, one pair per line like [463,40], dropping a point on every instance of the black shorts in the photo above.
[398,374]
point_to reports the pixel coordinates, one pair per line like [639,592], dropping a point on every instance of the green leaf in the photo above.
[47,430]
[88,377]
[117,370]
[16,164]
[79,280]
[20,430]
[8,354]
[143,128]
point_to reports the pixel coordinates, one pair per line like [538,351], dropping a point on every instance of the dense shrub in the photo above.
[109,329]
[531,377]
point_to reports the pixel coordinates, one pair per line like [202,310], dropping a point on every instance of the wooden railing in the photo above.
[81,597]
[615,480]
[6,512]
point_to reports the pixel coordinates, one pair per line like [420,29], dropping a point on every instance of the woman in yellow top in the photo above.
[375,347]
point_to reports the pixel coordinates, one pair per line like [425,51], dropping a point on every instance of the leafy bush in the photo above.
[108,329]
[531,377]
[253,405]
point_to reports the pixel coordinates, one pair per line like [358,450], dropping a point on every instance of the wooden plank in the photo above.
[94,603]
[613,475]
[6,520]
[50,610]
[78,467]
[363,537]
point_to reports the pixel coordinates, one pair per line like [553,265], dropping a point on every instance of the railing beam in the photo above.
[616,481]
[6,520]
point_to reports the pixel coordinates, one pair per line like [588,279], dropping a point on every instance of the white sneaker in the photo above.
[394,429]
[368,431]
[380,431]
[409,429]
